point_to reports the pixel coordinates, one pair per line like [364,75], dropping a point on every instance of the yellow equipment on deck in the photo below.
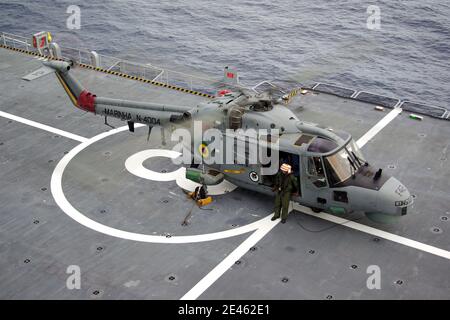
[199,196]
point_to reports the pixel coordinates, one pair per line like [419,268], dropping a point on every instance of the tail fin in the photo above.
[80,97]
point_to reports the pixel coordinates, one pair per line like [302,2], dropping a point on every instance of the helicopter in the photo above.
[332,172]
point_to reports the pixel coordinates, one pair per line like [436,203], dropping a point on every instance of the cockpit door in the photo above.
[294,161]
[315,182]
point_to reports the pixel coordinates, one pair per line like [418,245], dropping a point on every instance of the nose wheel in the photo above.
[316,210]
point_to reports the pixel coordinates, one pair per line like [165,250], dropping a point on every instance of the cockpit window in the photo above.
[321,145]
[338,166]
[343,164]
[316,172]
[315,167]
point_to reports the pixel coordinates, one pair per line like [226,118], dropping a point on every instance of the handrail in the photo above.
[189,79]
[165,71]
[334,85]
[13,38]
[110,68]
[399,104]
[446,114]
[444,110]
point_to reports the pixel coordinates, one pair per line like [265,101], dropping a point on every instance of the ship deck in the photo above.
[66,199]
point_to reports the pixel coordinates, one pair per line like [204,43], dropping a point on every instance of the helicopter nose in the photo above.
[393,198]
[392,202]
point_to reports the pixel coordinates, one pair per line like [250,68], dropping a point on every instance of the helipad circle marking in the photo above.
[134,164]
[67,208]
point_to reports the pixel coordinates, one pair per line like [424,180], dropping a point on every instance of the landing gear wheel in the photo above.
[316,210]
[200,193]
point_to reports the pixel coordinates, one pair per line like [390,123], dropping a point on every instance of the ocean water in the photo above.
[408,57]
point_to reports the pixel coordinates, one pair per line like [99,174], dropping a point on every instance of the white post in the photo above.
[95,59]
[55,50]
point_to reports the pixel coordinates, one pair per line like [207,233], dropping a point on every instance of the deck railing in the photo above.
[209,85]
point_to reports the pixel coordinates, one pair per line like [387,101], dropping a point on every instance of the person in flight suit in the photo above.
[285,185]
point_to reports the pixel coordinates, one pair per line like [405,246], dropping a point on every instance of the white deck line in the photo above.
[268,225]
[229,261]
[378,127]
[43,127]
[243,248]
[376,232]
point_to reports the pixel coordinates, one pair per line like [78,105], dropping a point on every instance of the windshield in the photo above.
[343,164]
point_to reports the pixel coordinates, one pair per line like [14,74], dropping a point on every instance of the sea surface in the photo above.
[329,41]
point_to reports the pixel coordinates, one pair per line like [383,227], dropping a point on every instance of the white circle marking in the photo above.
[134,165]
[67,208]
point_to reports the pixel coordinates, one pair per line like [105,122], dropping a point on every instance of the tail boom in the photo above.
[147,113]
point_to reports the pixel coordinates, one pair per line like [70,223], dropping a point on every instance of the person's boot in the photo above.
[283,220]
[274,218]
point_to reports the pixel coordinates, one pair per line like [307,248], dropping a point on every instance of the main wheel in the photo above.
[200,193]
[316,210]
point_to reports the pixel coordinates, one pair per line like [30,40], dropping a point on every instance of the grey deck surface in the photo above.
[38,240]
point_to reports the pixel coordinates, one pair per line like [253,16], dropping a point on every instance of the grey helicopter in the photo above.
[332,173]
